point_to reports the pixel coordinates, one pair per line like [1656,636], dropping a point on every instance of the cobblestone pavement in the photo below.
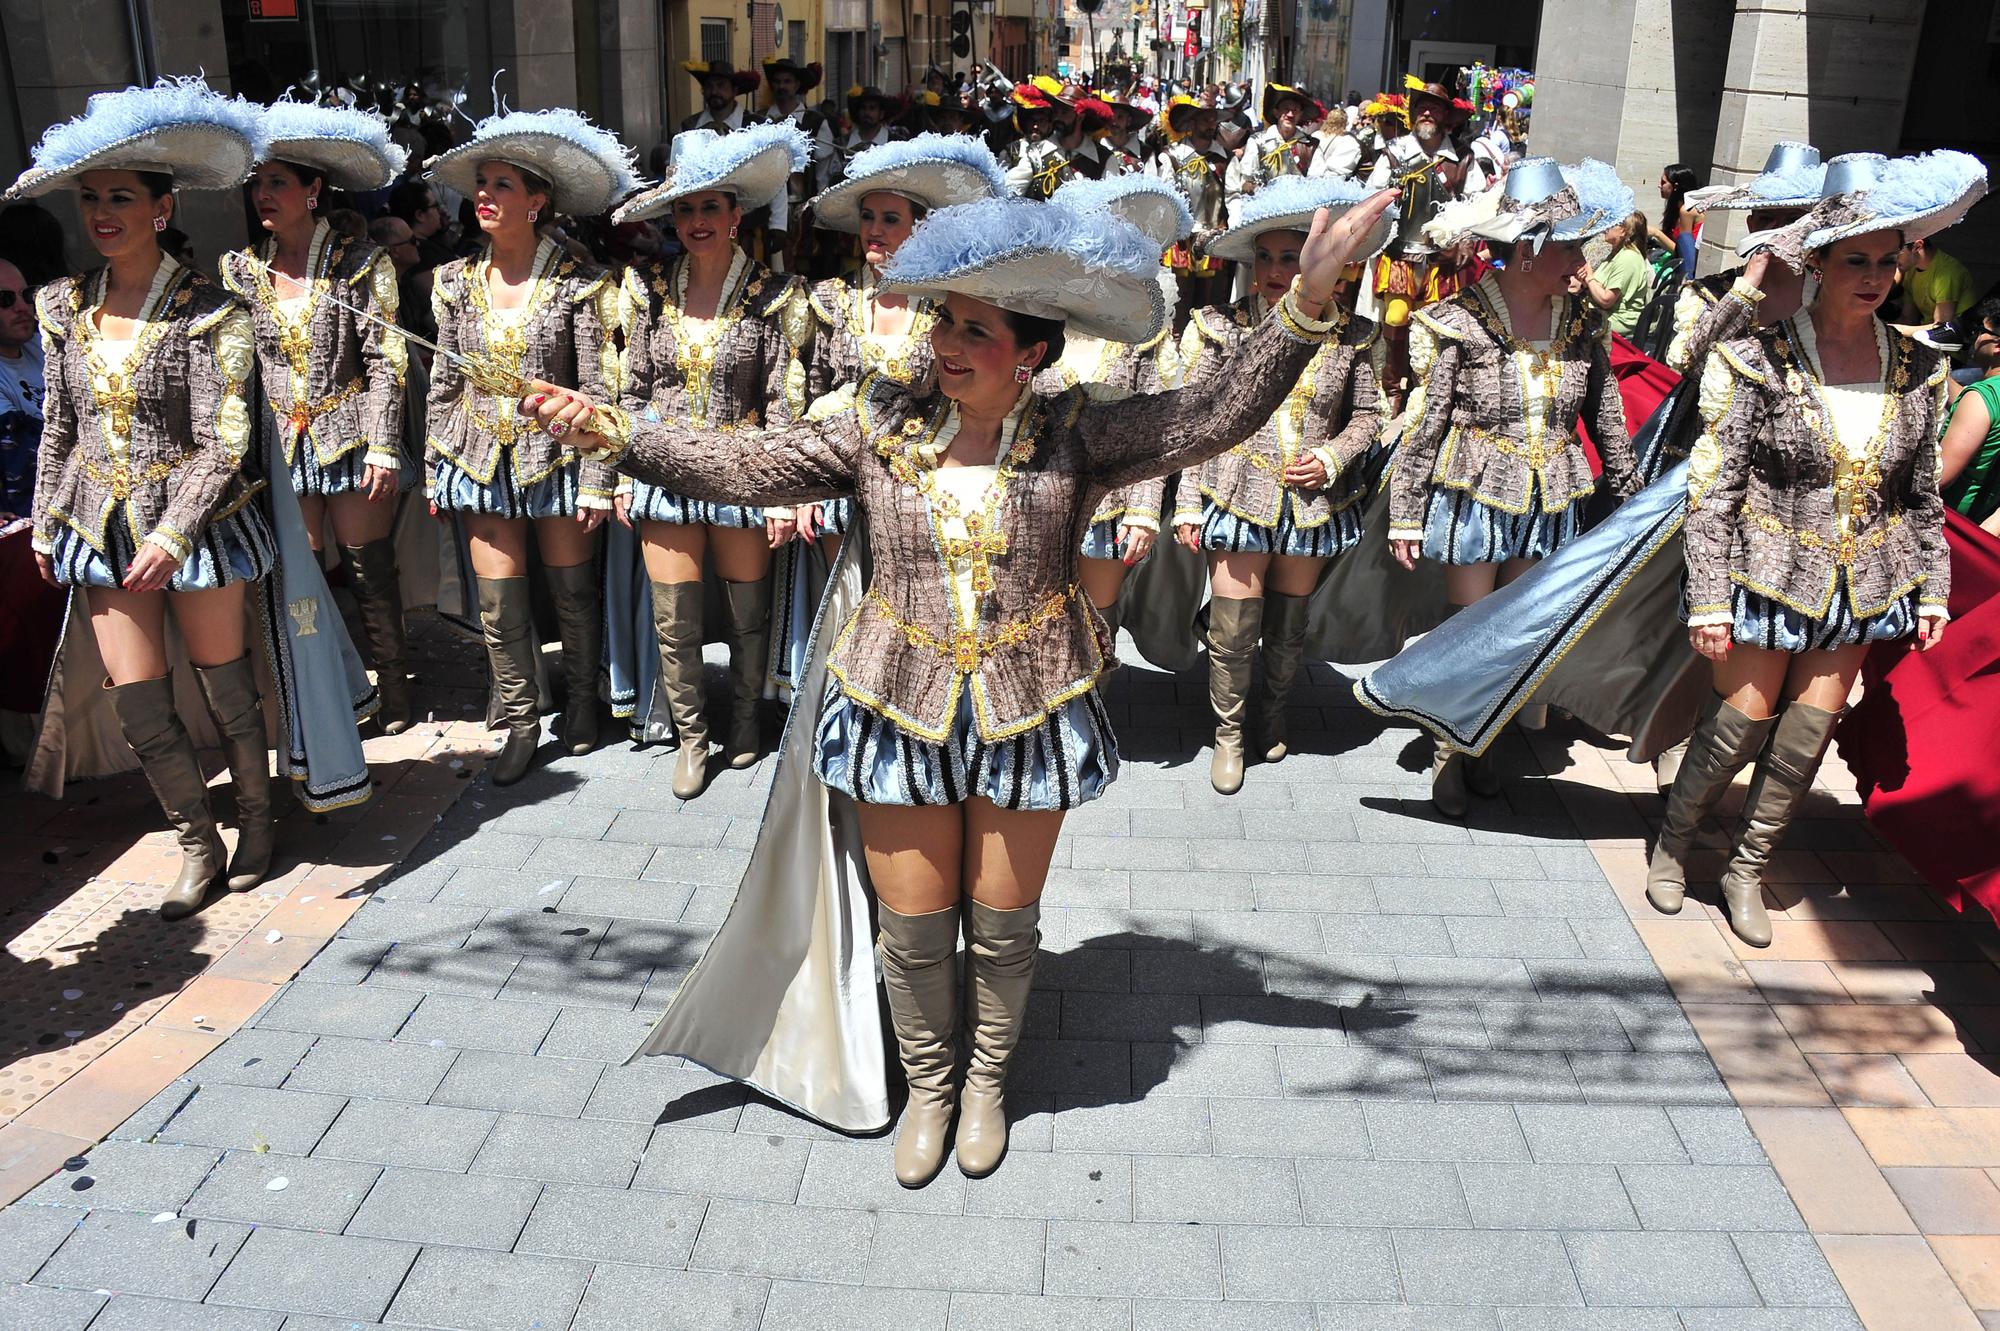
[1304,1058]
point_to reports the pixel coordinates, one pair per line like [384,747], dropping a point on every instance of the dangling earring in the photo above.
[533,213]
[312,202]
[1527,265]
[732,233]
[1022,374]
[159,224]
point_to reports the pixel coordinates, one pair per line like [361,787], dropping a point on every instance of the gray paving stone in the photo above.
[1434,1025]
[1612,1078]
[784,1242]
[1769,1319]
[1484,1268]
[498,850]
[613,1225]
[326,1275]
[1241,1125]
[1086,1069]
[414,923]
[1167,1124]
[861,1176]
[363,1011]
[929,1251]
[149,1118]
[34,1308]
[1391,935]
[289,1122]
[1138,1017]
[1512,937]
[1020,1312]
[1354,1073]
[640,1298]
[1280,1263]
[567,982]
[720,1164]
[479,886]
[1578,900]
[1608,939]
[489,1291]
[1604,1134]
[1717,1136]
[1588,1026]
[128,1176]
[380,1132]
[1373,1194]
[561,1150]
[316,1194]
[1511,1075]
[625,899]
[1395,895]
[128,1313]
[804,1307]
[1210,1190]
[656,1091]
[477,970]
[1587,1319]
[1399,1317]
[1464,979]
[1315,892]
[1733,1197]
[253,1057]
[1216,971]
[1204,1315]
[1546,1197]
[1204,1069]
[567,856]
[518,1083]
[530,930]
[344,961]
[1661,1270]
[1444,1132]
[1058,1186]
[457,1022]
[391,1069]
[1098,1259]
[600,1034]
[126,1253]
[1789,1270]
[28,1234]
[430,1206]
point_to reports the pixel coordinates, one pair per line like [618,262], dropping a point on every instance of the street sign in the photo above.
[270,9]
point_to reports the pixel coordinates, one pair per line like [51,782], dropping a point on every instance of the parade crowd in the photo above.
[915,406]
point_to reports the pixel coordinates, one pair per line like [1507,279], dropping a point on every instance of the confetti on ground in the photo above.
[163,1217]
[278,1184]
[71,995]
[547,888]
[274,937]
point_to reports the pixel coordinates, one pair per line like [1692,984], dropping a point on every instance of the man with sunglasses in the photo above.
[20,394]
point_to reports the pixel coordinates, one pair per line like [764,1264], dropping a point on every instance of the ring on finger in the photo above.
[558,428]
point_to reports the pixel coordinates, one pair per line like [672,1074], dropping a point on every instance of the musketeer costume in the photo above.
[334,380]
[741,368]
[480,455]
[151,442]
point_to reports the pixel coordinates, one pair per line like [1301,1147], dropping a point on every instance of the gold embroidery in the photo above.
[122,480]
[966,649]
[506,344]
[305,615]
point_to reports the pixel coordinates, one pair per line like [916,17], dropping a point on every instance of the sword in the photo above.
[484,375]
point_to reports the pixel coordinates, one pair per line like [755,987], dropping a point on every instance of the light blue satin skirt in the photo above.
[238,548]
[1224,531]
[1762,622]
[1101,541]
[553,496]
[651,503]
[1458,529]
[1066,761]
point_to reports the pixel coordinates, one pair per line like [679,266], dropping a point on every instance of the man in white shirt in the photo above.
[721,86]
[20,395]
[1272,151]
[788,83]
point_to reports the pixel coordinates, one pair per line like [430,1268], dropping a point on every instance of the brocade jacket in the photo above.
[1036,643]
[564,337]
[1496,418]
[334,379]
[1776,505]
[1112,372]
[1332,411]
[157,442]
[1707,312]
[845,352]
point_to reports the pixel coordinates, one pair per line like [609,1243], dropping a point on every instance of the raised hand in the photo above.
[1331,245]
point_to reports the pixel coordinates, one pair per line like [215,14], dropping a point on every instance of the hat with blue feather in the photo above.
[1543,201]
[178,127]
[933,170]
[352,149]
[752,163]
[1153,205]
[587,169]
[1916,197]
[1791,178]
[1091,271]
[1288,204]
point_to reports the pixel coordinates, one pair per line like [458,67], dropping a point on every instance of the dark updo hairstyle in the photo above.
[1029,329]
[307,176]
[158,183]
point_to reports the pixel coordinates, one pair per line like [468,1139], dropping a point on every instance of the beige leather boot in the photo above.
[379,593]
[1000,960]
[749,659]
[1284,631]
[233,702]
[1784,774]
[919,971]
[577,592]
[166,755]
[1723,742]
[508,625]
[1233,626]
[1667,766]
[677,624]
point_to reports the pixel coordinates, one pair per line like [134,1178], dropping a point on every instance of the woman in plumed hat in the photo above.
[1491,474]
[1270,513]
[333,379]
[961,716]
[716,339]
[149,498]
[1127,520]
[524,307]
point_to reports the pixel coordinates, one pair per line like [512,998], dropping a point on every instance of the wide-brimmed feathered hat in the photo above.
[1544,201]
[1792,178]
[1277,94]
[753,164]
[1288,204]
[1147,202]
[178,127]
[1092,271]
[1180,109]
[352,149]
[807,75]
[586,167]
[744,80]
[1456,109]
[888,101]
[1915,196]
[935,170]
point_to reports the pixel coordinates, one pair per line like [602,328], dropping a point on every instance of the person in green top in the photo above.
[1623,282]
[1936,287]
[1970,474]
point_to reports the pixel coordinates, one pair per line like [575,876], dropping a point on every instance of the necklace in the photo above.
[696,340]
[112,390]
[506,341]
[1857,475]
[294,337]
[913,459]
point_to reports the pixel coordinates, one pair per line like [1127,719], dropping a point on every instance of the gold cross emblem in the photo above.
[118,400]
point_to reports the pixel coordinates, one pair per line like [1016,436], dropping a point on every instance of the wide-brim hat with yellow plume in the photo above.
[1277,94]
[1387,104]
[868,92]
[1455,110]
[1174,119]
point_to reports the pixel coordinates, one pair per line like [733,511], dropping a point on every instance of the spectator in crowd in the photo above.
[32,238]
[1935,285]
[20,394]
[416,203]
[1625,276]
[348,222]
[413,276]
[1678,231]
[1969,474]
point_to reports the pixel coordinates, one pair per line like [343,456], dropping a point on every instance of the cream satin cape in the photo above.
[784,997]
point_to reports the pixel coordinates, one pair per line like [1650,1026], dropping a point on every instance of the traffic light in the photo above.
[961,29]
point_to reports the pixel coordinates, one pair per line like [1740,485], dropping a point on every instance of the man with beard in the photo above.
[1125,146]
[20,394]
[1272,151]
[1038,163]
[1195,165]
[869,108]
[788,82]
[721,85]
[1431,171]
